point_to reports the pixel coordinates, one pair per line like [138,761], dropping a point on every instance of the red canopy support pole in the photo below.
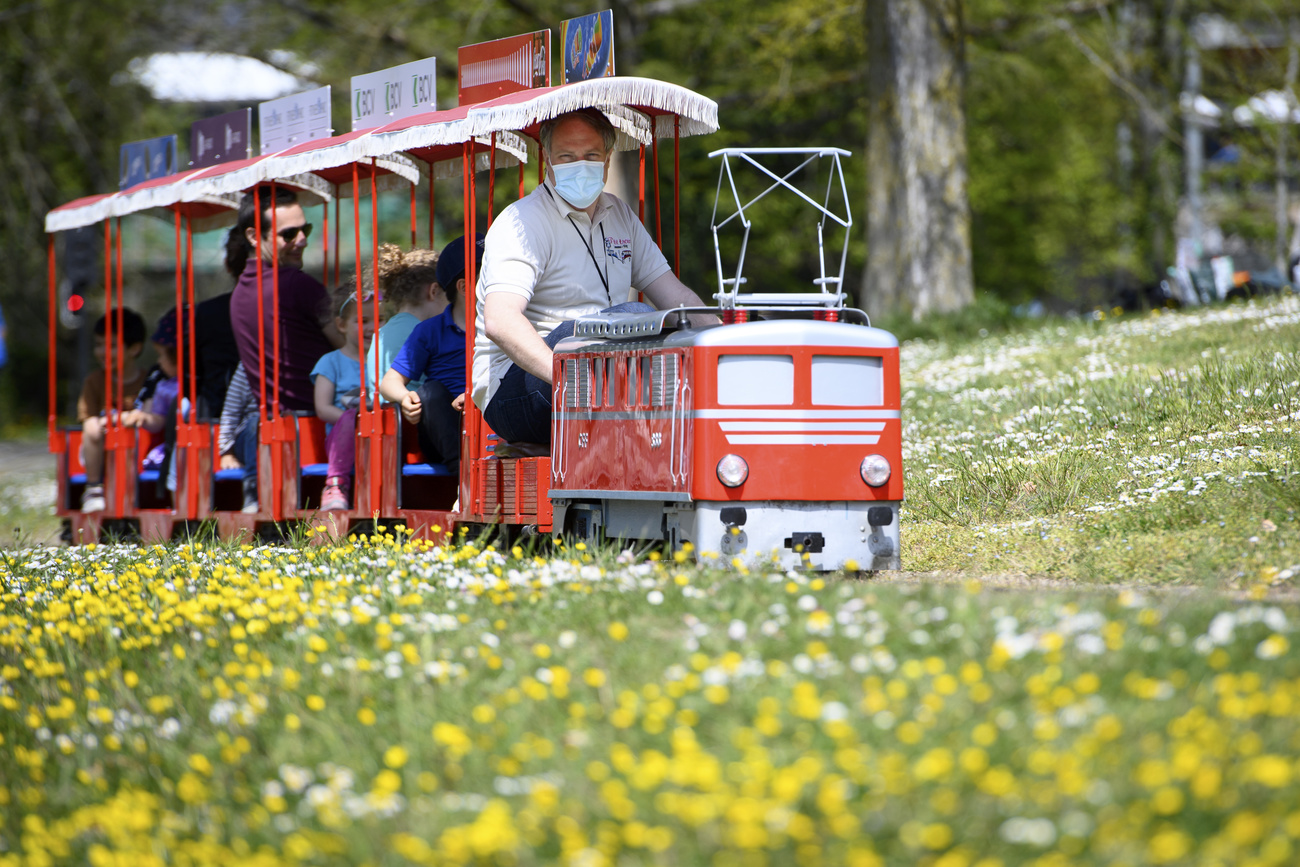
[415,222]
[431,173]
[375,428]
[121,320]
[110,418]
[640,186]
[120,462]
[179,351]
[337,249]
[261,309]
[541,164]
[110,421]
[277,452]
[275,301]
[677,195]
[51,421]
[654,160]
[521,179]
[265,432]
[192,465]
[492,178]
[325,242]
[472,432]
[189,293]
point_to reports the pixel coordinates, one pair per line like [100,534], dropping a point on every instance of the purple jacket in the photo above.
[304,307]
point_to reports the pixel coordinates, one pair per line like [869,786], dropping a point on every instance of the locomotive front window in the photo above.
[847,380]
[755,380]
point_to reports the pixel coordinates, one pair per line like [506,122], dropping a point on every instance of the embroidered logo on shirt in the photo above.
[618,249]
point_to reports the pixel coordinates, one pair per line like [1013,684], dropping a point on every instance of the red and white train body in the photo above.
[745,440]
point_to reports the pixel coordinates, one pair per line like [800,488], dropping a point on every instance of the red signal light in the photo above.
[75,303]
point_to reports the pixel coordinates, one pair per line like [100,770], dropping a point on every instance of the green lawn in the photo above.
[385,702]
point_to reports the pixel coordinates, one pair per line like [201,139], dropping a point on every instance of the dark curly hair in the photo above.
[237,247]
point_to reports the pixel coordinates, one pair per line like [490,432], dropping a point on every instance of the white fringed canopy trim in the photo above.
[65,219]
[513,148]
[614,96]
[448,132]
[231,183]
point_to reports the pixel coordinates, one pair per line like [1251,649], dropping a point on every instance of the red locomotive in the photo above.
[774,437]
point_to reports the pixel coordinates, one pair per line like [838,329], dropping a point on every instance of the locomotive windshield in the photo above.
[755,380]
[840,380]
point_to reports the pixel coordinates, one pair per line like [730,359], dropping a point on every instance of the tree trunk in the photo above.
[918,214]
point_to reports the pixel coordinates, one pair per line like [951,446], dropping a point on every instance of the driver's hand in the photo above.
[230,462]
[458,403]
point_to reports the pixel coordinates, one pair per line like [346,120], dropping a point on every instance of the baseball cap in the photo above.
[451,261]
[165,333]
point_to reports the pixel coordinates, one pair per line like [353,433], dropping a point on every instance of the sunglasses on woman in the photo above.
[291,234]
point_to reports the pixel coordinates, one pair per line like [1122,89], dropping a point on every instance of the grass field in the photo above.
[383,702]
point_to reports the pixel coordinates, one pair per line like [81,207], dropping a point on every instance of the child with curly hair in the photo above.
[409,283]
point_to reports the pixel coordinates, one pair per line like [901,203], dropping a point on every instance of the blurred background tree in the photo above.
[1075,160]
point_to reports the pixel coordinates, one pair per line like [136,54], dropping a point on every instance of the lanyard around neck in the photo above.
[604,276]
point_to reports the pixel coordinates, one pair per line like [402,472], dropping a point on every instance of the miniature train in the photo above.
[773,435]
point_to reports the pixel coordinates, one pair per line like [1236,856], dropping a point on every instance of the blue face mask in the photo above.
[579,183]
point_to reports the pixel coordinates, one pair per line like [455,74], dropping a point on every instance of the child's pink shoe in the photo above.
[335,496]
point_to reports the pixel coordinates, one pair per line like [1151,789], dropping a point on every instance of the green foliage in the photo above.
[1055,214]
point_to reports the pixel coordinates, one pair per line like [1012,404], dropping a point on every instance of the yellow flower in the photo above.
[1168,844]
[396,756]
[315,702]
[1271,770]
[366,716]
[618,630]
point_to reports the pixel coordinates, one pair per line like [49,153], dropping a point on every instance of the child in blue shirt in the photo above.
[435,352]
[338,395]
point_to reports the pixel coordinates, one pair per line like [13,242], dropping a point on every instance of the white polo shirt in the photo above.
[548,252]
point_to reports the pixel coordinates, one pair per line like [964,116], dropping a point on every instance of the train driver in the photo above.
[564,251]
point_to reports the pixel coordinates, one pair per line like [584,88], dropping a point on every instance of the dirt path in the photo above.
[22,458]
[27,494]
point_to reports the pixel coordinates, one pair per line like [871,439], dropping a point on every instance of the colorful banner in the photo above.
[588,45]
[145,160]
[221,139]
[395,93]
[492,69]
[291,120]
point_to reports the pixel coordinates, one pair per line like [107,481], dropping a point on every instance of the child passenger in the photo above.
[409,283]
[435,354]
[93,407]
[337,378]
[155,406]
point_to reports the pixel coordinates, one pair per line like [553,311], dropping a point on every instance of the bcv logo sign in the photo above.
[392,94]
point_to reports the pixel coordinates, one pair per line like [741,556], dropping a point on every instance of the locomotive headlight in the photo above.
[732,471]
[875,470]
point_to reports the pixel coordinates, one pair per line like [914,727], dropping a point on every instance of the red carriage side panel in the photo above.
[622,422]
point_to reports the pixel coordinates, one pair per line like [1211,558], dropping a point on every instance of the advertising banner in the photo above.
[145,160]
[492,69]
[294,119]
[588,45]
[221,139]
[395,93]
